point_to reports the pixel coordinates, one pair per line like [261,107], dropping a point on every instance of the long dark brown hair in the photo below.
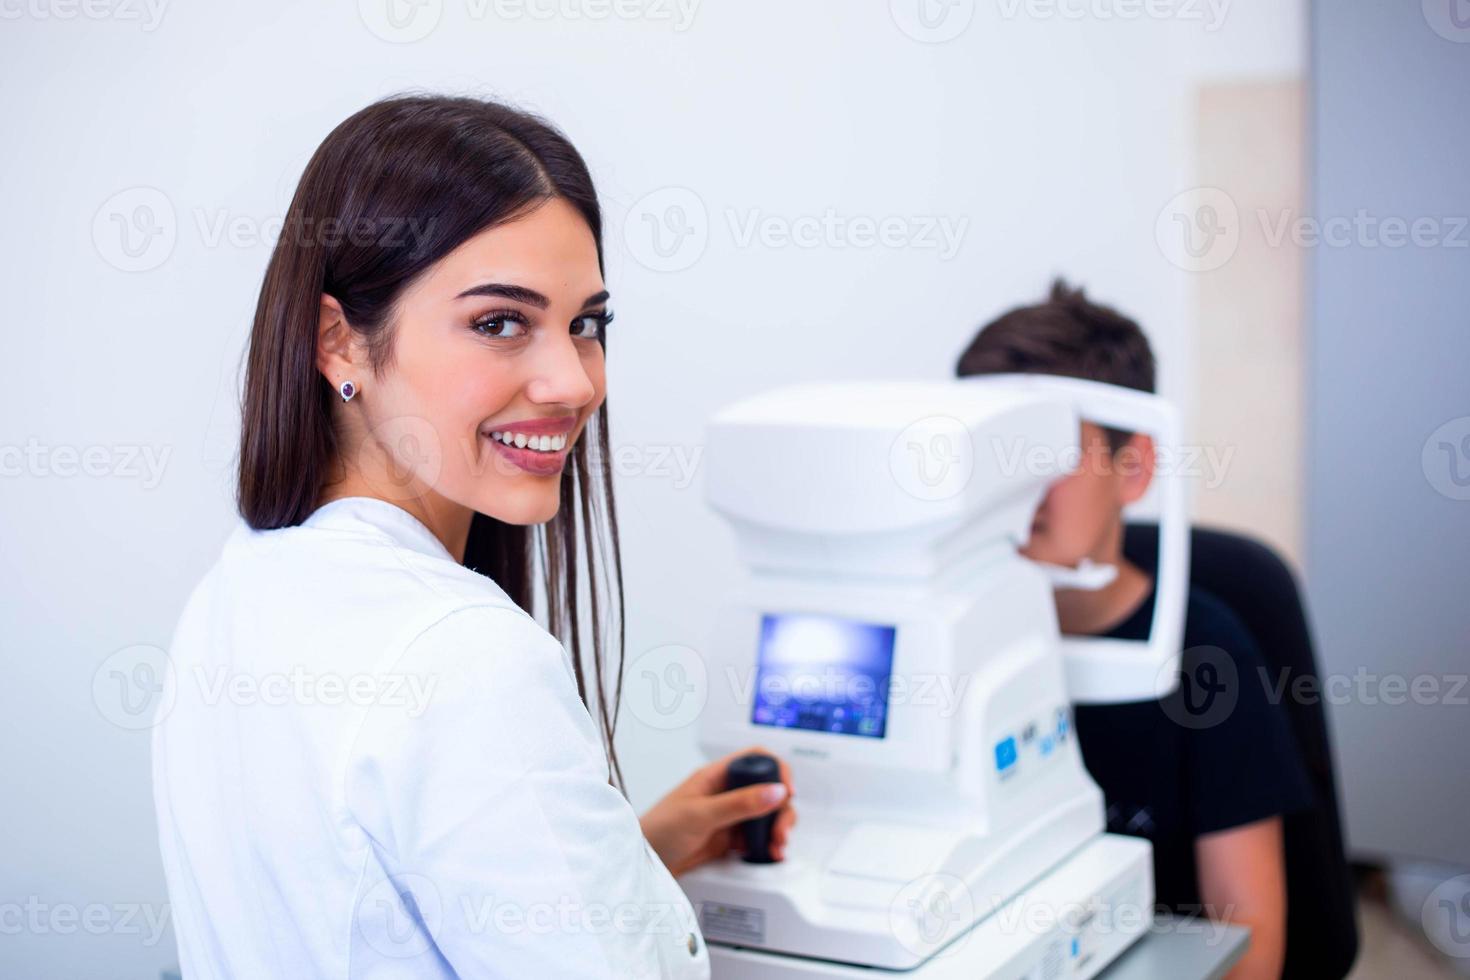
[390,191]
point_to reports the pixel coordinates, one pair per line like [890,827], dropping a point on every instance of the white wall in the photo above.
[1055,141]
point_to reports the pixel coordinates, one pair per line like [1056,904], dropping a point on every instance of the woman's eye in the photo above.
[500,325]
[591,325]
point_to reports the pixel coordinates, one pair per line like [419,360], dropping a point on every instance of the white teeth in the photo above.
[544,444]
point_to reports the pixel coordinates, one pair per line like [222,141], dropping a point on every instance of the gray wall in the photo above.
[1388,504]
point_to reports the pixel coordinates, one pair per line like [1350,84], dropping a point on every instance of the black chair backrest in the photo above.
[1250,578]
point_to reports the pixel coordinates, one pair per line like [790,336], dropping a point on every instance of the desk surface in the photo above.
[1181,950]
[1178,952]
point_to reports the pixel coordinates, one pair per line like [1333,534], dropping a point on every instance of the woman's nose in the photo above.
[560,376]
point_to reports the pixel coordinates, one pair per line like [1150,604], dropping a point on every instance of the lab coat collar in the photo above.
[351,513]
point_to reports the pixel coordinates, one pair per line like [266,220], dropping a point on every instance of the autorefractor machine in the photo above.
[894,648]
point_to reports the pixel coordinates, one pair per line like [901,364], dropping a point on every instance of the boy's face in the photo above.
[1079,516]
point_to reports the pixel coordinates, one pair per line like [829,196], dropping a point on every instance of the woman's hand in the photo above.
[697,821]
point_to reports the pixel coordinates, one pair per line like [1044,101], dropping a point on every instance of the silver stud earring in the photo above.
[348,389]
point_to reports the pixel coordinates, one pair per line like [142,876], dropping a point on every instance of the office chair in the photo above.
[1250,578]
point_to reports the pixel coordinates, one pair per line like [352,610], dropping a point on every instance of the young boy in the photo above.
[1206,773]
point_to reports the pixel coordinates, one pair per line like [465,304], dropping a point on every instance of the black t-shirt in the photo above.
[1215,754]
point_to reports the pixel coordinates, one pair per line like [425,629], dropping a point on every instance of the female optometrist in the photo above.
[370,760]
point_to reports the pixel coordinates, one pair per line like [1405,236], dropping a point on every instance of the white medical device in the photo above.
[898,653]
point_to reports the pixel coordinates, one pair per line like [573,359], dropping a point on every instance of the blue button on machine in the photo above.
[1005,753]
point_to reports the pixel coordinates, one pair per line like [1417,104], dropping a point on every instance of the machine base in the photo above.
[1070,923]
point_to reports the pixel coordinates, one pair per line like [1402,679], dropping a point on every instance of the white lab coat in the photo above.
[370,763]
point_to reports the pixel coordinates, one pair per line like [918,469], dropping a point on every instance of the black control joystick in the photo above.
[755,767]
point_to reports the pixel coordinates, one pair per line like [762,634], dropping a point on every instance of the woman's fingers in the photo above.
[781,832]
[710,778]
[729,808]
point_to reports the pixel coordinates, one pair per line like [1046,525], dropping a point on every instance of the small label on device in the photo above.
[732,923]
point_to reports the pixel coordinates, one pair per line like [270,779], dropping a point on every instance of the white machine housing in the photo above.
[896,509]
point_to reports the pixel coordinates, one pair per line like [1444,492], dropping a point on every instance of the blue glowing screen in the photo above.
[823,673]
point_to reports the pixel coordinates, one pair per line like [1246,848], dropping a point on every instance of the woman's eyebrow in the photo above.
[519,294]
[522,294]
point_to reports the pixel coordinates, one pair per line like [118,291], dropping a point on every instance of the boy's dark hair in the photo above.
[1067,335]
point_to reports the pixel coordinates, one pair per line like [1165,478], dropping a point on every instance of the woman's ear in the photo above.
[334,348]
[1135,461]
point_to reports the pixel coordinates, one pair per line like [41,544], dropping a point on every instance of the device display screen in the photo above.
[823,673]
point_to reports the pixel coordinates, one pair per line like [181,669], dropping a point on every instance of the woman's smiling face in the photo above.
[496,366]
